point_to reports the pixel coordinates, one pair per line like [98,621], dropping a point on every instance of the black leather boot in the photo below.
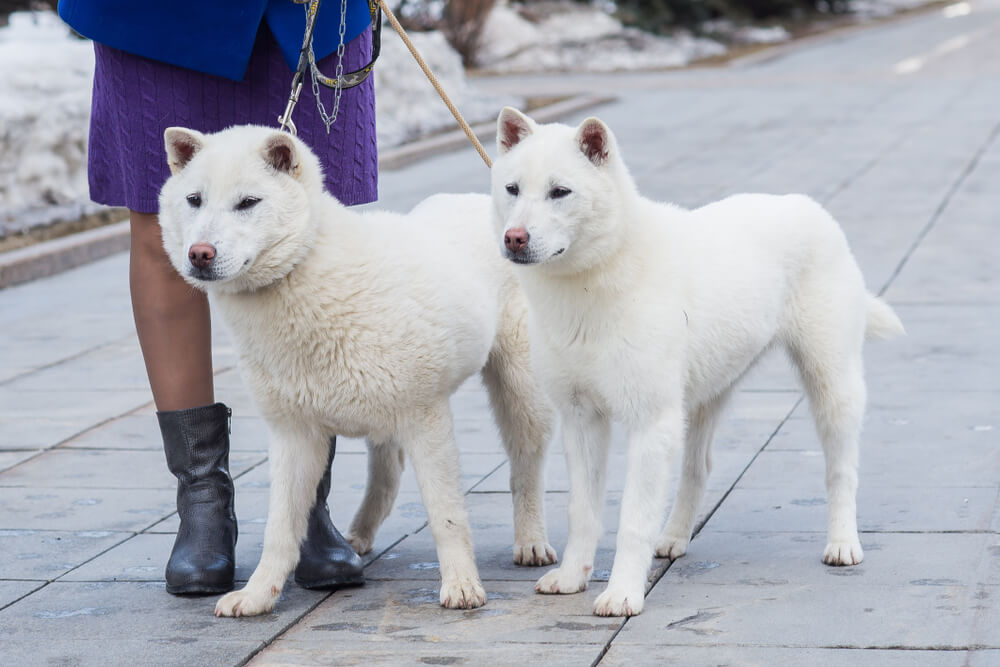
[196,442]
[326,560]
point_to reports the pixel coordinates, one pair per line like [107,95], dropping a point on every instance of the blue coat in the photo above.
[212,36]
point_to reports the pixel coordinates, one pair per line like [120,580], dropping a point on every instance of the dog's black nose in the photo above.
[201,255]
[515,239]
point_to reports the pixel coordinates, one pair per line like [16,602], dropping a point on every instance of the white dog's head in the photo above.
[558,192]
[238,211]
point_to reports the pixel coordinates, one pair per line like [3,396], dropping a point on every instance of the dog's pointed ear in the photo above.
[512,127]
[182,144]
[281,153]
[594,139]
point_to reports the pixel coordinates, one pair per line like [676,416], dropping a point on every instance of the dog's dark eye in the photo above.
[559,192]
[247,203]
[194,199]
[512,189]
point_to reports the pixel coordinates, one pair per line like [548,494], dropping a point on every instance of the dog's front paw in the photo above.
[672,547]
[846,552]
[536,553]
[463,593]
[246,602]
[619,602]
[360,544]
[564,580]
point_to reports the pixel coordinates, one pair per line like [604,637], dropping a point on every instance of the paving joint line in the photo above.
[89,560]
[59,362]
[31,592]
[92,427]
[922,234]
[658,575]
[864,169]
[910,127]
[288,626]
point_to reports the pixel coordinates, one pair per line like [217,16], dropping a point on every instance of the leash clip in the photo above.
[285,120]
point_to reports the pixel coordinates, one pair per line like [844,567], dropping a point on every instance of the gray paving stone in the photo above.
[10,591]
[114,366]
[383,614]
[321,653]
[943,420]
[180,650]
[37,433]
[891,559]
[76,408]
[26,508]
[9,459]
[748,656]
[48,554]
[143,558]
[964,462]
[142,431]
[89,621]
[946,349]
[799,506]
[105,469]
[984,658]
[943,267]
[777,615]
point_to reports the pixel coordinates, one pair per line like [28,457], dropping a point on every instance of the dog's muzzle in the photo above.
[202,258]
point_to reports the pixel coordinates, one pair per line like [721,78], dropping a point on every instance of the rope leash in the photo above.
[434,82]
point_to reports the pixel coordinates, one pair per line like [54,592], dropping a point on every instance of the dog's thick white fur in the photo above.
[357,325]
[649,314]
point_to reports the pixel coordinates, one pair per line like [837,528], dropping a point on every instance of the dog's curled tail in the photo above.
[882,321]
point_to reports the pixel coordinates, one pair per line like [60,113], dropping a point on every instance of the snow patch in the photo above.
[873,9]
[407,105]
[574,37]
[45,84]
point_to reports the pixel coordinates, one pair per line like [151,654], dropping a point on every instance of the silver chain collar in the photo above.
[314,73]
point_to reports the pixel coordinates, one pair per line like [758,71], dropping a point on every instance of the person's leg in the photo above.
[175,334]
[172,321]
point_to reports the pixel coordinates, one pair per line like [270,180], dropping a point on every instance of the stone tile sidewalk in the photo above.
[907,162]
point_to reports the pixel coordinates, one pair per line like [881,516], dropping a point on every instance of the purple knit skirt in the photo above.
[135,99]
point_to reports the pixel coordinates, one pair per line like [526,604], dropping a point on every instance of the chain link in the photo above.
[330,119]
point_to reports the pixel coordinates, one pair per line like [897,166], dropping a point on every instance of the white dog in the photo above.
[649,314]
[357,325]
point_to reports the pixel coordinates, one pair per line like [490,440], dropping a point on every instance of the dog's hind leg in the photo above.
[427,436]
[298,458]
[586,435]
[524,417]
[831,368]
[676,535]
[385,466]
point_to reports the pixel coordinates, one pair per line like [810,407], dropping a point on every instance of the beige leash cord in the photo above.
[434,82]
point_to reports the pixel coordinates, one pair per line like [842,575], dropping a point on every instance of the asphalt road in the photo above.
[893,127]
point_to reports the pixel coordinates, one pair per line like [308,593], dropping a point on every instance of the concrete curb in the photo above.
[51,257]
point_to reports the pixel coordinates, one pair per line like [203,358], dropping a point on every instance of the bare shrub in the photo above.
[463,22]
